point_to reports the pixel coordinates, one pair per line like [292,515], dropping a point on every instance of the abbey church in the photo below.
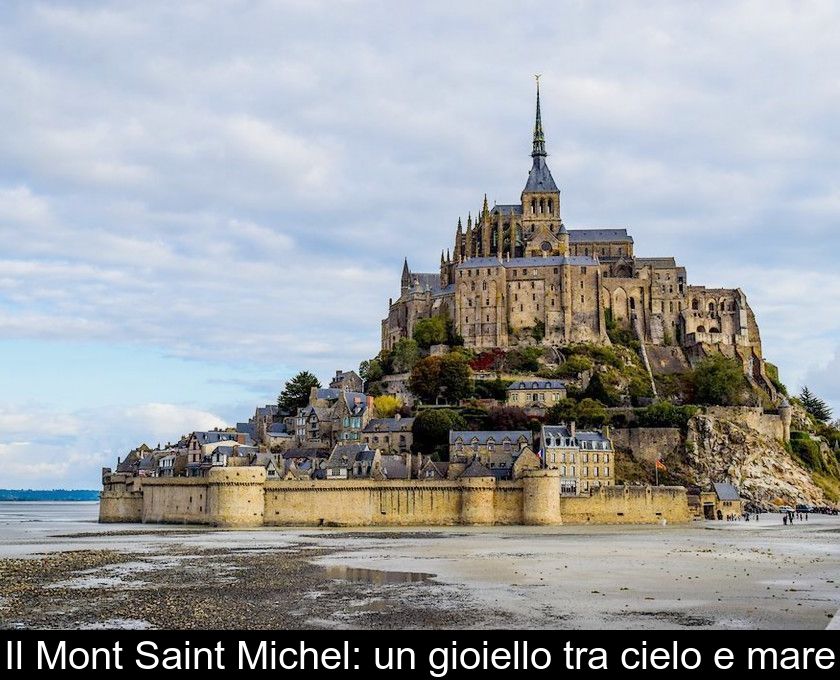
[516,269]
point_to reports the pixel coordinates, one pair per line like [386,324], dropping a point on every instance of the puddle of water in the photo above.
[118,624]
[375,576]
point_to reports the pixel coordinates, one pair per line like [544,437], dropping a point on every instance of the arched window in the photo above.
[550,206]
[712,307]
[533,206]
[695,304]
[714,329]
[542,206]
[632,303]
[701,329]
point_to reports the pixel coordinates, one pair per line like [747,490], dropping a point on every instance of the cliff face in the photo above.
[721,448]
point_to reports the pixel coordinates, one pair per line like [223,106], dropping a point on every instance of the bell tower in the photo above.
[540,197]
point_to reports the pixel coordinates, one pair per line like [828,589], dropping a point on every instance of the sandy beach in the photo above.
[59,568]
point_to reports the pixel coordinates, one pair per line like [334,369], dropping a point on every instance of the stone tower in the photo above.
[541,200]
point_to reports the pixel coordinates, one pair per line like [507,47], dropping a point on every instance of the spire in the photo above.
[460,228]
[405,279]
[448,258]
[539,137]
[441,257]
[485,210]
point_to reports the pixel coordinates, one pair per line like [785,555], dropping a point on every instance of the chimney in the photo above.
[572,427]
[397,416]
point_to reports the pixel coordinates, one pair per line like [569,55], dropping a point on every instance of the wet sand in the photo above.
[59,568]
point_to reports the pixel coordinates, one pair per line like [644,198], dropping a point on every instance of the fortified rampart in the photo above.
[242,497]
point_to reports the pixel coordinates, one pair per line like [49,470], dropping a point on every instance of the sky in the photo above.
[199,199]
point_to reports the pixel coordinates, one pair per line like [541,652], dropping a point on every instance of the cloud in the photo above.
[239,182]
[69,449]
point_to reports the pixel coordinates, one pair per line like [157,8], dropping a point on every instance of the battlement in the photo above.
[242,497]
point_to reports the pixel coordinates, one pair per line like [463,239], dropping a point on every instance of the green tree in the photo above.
[432,331]
[446,376]
[295,392]
[563,411]
[424,381]
[599,390]
[538,331]
[814,405]
[524,359]
[508,418]
[404,355]
[371,371]
[455,380]
[718,380]
[591,413]
[431,431]
[665,414]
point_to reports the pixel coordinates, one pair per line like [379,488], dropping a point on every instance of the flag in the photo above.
[660,465]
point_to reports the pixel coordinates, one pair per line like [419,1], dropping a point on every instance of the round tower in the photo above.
[786,414]
[235,496]
[541,497]
[477,495]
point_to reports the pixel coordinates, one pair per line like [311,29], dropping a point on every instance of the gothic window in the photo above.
[533,206]
[550,206]
[712,307]
[695,304]
[632,303]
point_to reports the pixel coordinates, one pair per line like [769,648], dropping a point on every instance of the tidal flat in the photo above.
[59,568]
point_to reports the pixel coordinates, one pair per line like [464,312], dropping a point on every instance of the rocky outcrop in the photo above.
[728,449]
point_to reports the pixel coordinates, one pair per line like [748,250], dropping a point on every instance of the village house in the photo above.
[585,458]
[350,461]
[347,380]
[390,435]
[535,393]
[332,416]
[496,450]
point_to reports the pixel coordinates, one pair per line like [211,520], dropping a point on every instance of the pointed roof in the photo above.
[539,179]
[539,137]
[476,469]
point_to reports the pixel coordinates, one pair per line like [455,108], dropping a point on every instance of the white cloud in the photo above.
[240,181]
[41,448]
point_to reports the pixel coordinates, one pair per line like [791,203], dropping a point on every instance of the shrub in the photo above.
[523,359]
[718,381]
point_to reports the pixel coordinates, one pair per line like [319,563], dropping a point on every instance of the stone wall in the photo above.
[242,497]
[627,505]
[648,443]
[768,424]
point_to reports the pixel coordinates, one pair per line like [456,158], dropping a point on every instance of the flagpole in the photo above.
[656,469]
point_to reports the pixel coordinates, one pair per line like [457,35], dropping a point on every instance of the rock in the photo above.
[721,449]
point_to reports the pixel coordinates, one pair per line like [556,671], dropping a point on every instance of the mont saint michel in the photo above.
[544,375]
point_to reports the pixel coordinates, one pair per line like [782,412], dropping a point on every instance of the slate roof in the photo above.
[483,436]
[350,451]
[305,453]
[267,410]
[539,178]
[441,467]
[591,436]
[322,412]
[598,235]
[555,432]
[148,462]
[537,384]
[426,280]
[212,436]
[657,262]
[247,428]
[508,209]
[277,428]
[389,425]
[476,469]
[393,467]
[514,263]
[726,492]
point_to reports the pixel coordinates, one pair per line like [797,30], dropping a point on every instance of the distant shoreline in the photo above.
[36,495]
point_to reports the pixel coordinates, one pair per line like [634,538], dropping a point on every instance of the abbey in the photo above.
[517,275]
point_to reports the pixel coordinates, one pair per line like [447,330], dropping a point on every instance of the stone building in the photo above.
[585,458]
[332,416]
[495,450]
[390,435]
[516,274]
[535,393]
